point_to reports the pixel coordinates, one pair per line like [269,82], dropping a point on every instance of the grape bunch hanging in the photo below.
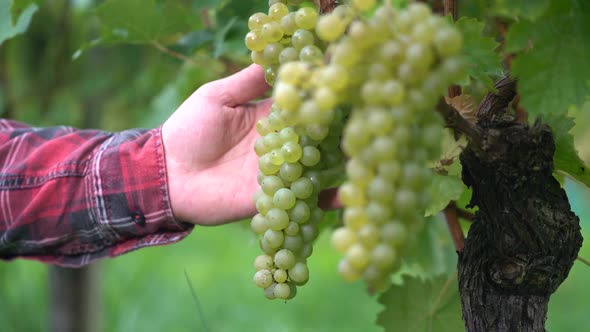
[353,90]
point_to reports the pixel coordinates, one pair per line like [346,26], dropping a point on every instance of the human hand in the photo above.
[210,160]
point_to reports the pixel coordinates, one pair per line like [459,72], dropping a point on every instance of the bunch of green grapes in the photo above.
[297,144]
[390,68]
[406,61]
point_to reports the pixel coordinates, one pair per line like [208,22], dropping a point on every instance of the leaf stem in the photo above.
[172,53]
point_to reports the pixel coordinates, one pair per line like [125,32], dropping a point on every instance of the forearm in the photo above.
[73,196]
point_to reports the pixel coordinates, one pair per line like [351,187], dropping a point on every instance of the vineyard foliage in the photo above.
[158,52]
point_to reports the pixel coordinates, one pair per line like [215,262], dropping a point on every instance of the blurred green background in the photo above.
[114,84]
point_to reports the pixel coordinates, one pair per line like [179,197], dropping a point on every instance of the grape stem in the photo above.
[584,260]
[452,219]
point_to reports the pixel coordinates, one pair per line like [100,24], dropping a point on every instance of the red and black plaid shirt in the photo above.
[70,197]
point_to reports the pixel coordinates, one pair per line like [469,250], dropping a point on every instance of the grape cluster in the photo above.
[405,61]
[347,82]
[297,143]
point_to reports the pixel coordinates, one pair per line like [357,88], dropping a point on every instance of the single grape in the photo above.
[302,188]
[342,239]
[255,41]
[272,32]
[330,27]
[270,184]
[257,20]
[394,233]
[263,262]
[269,291]
[272,51]
[286,96]
[284,259]
[347,271]
[383,256]
[311,54]
[293,243]
[284,199]
[278,11]
[299,273]
[273,238]
[300,213]
[282,291]
[258,224]
[302,38]
[291,152]
[276,218]
[280,276]
[311,156]
[306,18]
[368,235]
[264,204]
[290,171]
[309,232]
[288,54]
[263,278]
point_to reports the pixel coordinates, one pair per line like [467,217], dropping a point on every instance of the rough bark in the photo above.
[524,238]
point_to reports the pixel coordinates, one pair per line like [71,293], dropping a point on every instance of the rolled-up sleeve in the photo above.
[70,197]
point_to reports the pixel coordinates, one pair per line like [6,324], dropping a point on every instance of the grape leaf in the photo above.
[143,21]
[422,306]
[531,10]
[479,52]
[566,157]
[553,67]
[433,251]
[7,28]
[443,189]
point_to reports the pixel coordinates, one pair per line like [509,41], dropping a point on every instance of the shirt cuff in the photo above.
[129,189]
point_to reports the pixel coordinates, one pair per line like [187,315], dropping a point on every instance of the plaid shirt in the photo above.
[69,197]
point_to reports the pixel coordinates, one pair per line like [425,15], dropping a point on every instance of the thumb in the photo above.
[239,88]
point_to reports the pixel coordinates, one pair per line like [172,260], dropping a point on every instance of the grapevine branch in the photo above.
[172,53]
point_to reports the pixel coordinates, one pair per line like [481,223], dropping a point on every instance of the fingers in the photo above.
[239,88]
[329,199]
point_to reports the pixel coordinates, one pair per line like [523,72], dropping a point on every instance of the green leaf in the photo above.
[422,306]
[143,21]
[7,28]
[19,6]
[531,10]
[220,38]
[482,61]
[443,189]
[566,157]
[433,252]
[553,67]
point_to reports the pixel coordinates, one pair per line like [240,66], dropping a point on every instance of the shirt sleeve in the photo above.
[69,197]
